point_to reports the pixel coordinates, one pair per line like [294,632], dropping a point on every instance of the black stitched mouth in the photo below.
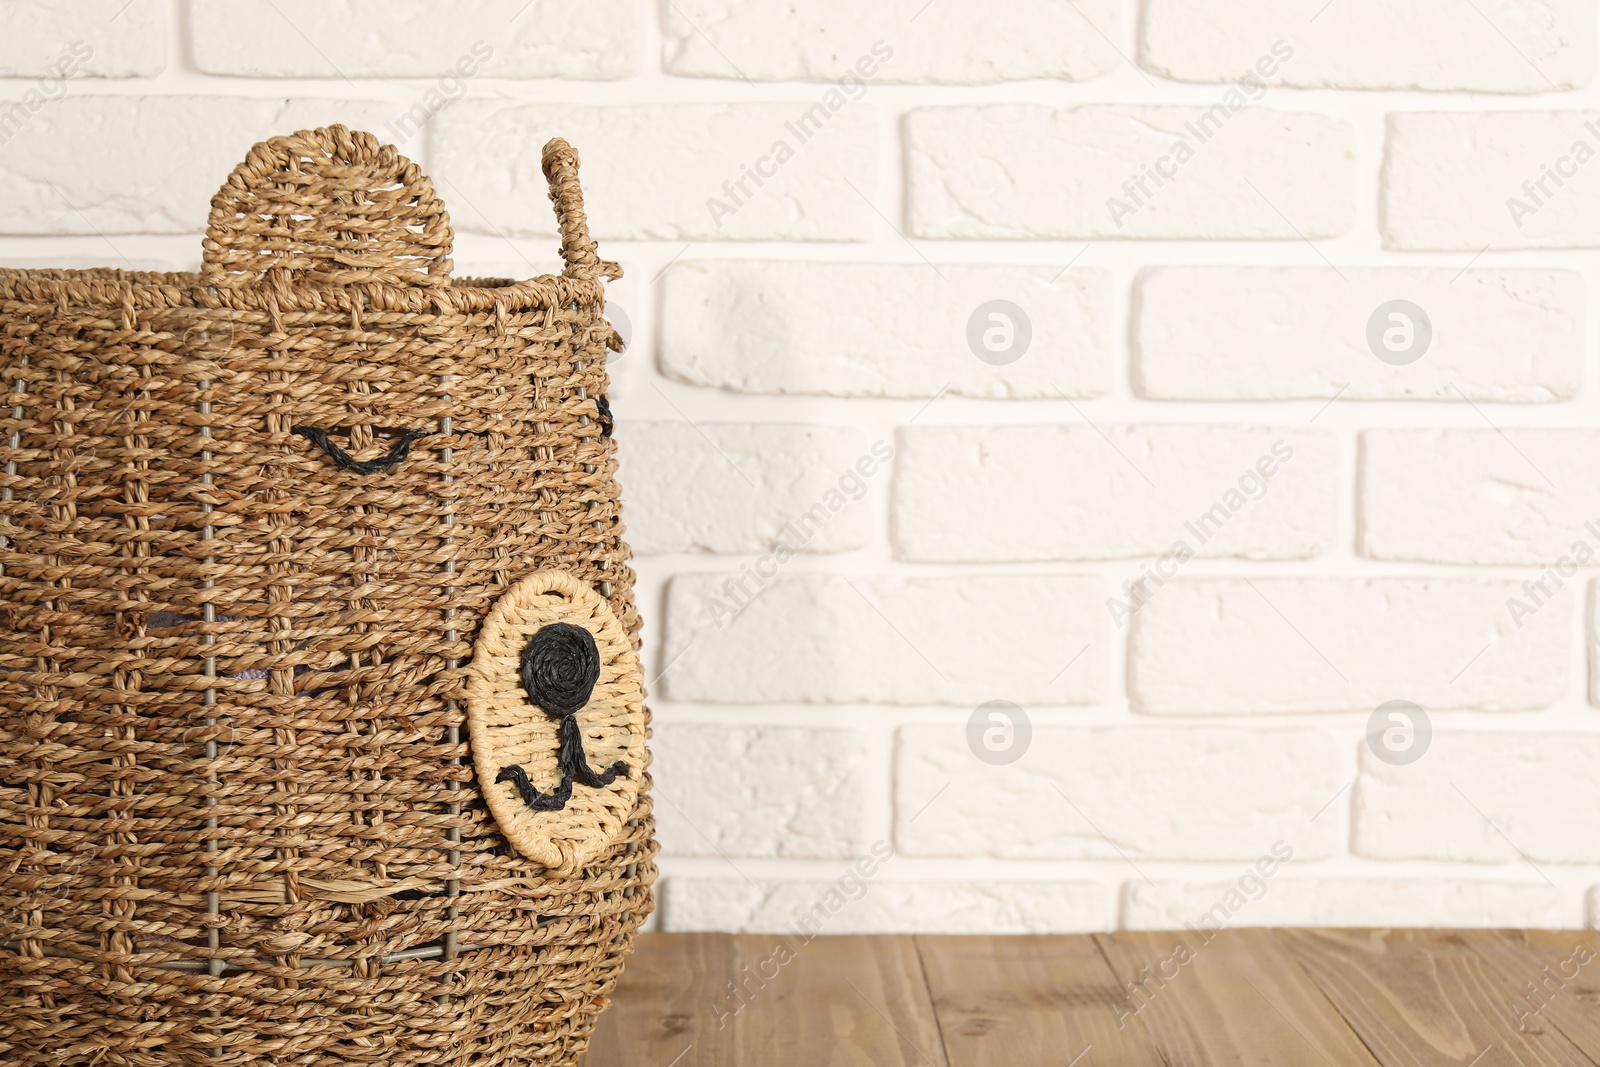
[574,766]
[395,456]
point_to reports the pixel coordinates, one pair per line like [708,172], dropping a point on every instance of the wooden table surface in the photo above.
[1399,998]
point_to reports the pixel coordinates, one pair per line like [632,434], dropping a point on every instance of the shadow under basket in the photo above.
[322,735]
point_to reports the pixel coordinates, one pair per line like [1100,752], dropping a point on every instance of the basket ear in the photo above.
[578,250]
[330,205]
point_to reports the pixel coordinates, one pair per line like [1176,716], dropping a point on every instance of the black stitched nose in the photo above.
[560,665]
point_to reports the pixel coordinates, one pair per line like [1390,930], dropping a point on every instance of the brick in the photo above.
[1591,635]
[1115,792]
[748,487]
[836,40]
[82,39]
[1223,646]
[725,790]
[666,171]
[1113,492]
[914,343]
[886,329]
[887,639]
[1454,180]
[586,39]
[1482,496]
[1513,798]
[132,164]
[1303,332]
[1519,46]
[1031,171]
[1283,901]
[885,905]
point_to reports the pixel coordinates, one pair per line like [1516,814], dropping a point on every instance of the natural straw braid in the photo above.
[239,818]
[578,251]
[367,215]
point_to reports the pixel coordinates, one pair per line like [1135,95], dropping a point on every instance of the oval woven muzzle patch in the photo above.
[555,709]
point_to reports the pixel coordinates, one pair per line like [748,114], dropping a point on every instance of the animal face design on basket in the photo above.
[553,645]
[566,652]
[553,691]
[555,704]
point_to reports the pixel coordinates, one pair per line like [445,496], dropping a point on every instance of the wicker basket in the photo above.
[278,540]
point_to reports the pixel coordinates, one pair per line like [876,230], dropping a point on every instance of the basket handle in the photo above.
[578,250]
[332,205]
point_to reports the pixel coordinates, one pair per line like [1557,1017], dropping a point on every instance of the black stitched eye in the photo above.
[603,406]
[560,665]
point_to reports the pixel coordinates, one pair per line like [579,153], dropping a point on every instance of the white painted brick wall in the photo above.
[1114,492]
[674,172]
[1592,639]
[749,487]
[582,39]
[889,329]
[1480,496]
[169,151]
[823,40]
[861,639]
[1221,333]
[1135,792]
[1532,46]
[759,790]
[1484,798]
[1021,171]
[115,39]
[1264,645]
[1466,180]
[820,206]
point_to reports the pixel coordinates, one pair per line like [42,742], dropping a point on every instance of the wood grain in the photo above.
[1422,998]
[711,1000]
[1553,978]
[1401,998]
[1003,1001]
[1235,999]
[662,1006]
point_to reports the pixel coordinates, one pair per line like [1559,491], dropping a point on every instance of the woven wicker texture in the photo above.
[239,819]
